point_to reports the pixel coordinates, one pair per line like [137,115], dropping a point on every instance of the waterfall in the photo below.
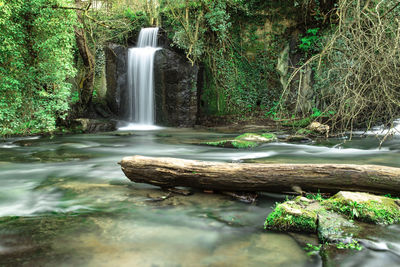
[140,78]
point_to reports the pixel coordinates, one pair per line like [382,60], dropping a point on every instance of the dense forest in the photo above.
[336,61]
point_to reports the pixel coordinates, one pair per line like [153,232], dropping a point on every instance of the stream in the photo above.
[64,201]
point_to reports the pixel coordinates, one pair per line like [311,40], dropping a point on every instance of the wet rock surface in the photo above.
[335,228]
[175,85]
[116,75]
[95,125]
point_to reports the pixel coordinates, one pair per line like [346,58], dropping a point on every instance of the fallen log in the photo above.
[171,172]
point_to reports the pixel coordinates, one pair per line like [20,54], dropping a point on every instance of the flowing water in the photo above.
[140,78]
[65,202]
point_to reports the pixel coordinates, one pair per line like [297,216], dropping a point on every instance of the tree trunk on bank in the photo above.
[86,85]
[171,172]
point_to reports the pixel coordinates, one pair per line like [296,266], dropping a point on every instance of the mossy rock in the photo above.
[302,214]
[333,220]
[298,215]
[233,144]
[247,140]
[261,138]
[366,207]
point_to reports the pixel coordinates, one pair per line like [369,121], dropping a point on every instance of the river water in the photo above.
[65,202]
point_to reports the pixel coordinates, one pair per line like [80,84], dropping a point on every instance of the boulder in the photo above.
[319,128]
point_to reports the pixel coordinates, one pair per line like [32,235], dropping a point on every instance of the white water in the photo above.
[141,113]
[382,130]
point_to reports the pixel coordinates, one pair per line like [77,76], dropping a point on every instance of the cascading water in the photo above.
[141,80]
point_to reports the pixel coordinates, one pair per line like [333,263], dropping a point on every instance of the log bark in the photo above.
[171,172]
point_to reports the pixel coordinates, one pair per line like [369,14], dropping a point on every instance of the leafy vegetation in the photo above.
[354,245]
[312,249]
[344,59]
[328,64]
[36,59]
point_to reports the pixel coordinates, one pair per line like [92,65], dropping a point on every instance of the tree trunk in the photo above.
[87,83]
[171,172]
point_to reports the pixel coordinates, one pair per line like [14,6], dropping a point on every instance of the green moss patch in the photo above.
[247,140]
[304,131]
[366,207]
[338,219]
[299,215]
[233,144]
[264,137]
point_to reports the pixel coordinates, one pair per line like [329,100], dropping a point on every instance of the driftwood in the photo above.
[171,172]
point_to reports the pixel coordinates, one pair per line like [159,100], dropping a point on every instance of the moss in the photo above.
[244,144]
[304,131]
[245,135]
[372,211]
[233,144]
[247,140]
[264,137]
[269,136]
[301,213]
[290,216]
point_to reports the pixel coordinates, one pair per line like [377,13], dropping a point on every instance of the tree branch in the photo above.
[390,10]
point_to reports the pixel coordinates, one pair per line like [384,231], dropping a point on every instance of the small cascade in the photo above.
[141,78]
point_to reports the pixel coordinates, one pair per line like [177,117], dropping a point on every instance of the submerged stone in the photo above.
[298,139]
[336,228]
